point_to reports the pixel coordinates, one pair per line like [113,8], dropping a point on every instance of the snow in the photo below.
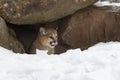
[106,3]
[99,62]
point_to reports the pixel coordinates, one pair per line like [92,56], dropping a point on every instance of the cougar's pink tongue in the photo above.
[55,44]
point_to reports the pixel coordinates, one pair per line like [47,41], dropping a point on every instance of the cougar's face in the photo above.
[51,37]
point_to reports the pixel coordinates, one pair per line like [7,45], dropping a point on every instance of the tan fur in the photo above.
[43,39]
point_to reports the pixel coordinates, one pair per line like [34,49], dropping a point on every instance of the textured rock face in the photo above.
[87,27]
[8,38]
[38,11]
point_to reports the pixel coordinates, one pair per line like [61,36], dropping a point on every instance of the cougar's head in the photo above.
[49,37]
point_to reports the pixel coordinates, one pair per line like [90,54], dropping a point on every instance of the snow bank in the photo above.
[100,62]
[106,3]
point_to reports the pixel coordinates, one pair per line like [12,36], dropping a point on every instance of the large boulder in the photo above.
[8,38]
[39,11]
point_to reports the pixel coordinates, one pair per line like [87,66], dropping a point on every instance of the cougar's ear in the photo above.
[42,31]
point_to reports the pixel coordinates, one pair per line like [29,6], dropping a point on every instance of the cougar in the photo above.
[46,40]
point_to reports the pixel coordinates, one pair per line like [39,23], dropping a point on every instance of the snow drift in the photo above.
[100,62]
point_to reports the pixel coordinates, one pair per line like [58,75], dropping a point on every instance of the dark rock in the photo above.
[90,26]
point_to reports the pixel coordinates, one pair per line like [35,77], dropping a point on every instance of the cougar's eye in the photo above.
[50,37]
